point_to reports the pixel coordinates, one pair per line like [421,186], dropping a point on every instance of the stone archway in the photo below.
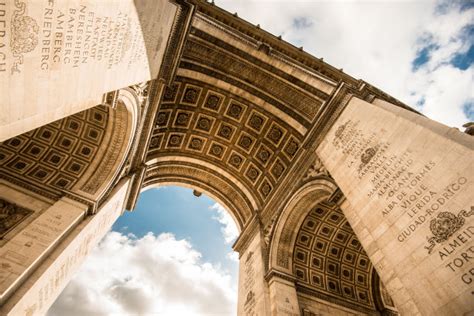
[204,180]
[265,128]
[321,266]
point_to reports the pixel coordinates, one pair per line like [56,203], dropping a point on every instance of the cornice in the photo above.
[178,35]
[278,274]
[277,45]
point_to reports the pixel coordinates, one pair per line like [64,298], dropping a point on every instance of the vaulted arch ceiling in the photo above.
[63,157]
[330,263]
[56,156]
[249,105]
[221,129]
[238,110]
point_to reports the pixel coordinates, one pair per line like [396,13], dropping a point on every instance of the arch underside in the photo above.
[330,263]
[191,173]
[234,107]
[62,158]
[245,108]
[313,243]
[237,123]
[54,158]
[204,122]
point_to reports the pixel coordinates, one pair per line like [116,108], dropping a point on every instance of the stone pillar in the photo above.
[409,184]
[52,273]
[62,57]
[283,298]
[253,292]
[27,249]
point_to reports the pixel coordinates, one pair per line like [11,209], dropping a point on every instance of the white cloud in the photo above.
[229,229]
[233,256]
[378,42]
[151,275]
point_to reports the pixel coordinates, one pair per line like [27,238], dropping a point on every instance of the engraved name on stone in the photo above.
[19,255]
[401,184]
[69,53]
[67,36]
[249,284]
[48,286]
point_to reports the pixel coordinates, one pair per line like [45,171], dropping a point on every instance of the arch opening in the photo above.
[173,251]
[315,247]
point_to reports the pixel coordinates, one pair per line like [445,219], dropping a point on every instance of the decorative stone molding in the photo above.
[339,301]
[445,225]
[278,274]
[179,30]
[10,216]
[337,197]
[141,90]
[268,230]
[246,235]
[111,99]
[293,214]
[317,169]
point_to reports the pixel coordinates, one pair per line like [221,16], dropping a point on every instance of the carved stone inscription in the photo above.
[404,192]
[412,191]
[393,177]
[249,284]
[89,46]
[65,263]
[53,35]
[29,246]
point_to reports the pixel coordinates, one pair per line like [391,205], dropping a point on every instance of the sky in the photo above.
[172,255]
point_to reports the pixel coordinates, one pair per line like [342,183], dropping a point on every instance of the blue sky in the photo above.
[176,209]
[171,256]
[421,52]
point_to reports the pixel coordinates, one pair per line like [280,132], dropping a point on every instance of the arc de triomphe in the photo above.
[348,201]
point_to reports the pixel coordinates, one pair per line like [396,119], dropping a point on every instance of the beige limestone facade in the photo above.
[348,201]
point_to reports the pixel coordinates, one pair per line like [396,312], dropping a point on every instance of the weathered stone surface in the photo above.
[253,290]
[99,46]
[408,183]
[45,285]
[22,253]
[245,118]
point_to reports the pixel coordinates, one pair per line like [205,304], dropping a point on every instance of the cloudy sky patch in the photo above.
[420,52]
[229,228]
[149,275]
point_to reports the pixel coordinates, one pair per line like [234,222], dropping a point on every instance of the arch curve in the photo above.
[115,148]
[62,158]
[293,214]
[314,246]
[197,174]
